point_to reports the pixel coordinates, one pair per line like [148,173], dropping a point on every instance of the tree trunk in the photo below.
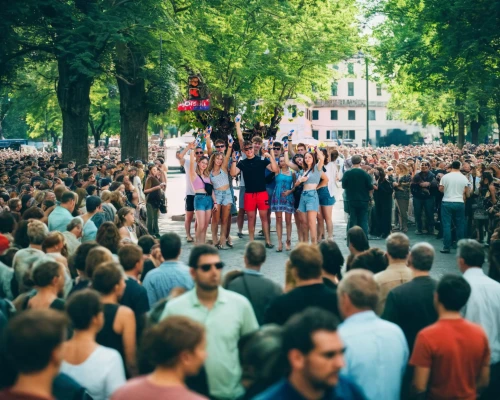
[134,112]
[474,128]
[73,95]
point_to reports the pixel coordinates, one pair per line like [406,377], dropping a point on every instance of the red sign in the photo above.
[194,105]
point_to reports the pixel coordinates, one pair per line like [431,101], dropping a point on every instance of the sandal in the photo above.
[269,246]
[189,239]
[229,244]
[288,245]
[240,235]
[280,248]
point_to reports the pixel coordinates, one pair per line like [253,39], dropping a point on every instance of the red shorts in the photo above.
[256,201]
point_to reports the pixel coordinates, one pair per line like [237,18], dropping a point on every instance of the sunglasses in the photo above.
[276,148]
[198,152]
[221,146]
[248,148]
[208,267]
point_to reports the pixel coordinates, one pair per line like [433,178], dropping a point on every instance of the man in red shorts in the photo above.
[256,197]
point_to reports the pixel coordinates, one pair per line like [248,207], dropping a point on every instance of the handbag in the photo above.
[208,186]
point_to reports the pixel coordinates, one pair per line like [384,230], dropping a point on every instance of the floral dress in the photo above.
[281,203]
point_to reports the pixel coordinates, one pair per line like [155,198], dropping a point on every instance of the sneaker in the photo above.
[445,251]
[261,233]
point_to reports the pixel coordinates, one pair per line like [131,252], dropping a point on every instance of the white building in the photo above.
[344,114]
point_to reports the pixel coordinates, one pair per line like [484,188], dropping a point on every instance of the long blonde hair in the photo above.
[211,163]
[206,173]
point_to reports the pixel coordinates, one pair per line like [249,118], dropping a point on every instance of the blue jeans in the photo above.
[428,206]
[358,215]
[449,211]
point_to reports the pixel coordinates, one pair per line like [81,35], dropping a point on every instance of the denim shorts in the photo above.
[324,197]
[224,197]
[203,202]
[309,201]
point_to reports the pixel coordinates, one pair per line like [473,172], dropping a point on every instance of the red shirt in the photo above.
[455,350]
[142,388]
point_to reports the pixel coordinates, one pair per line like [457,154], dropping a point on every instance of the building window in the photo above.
[352,135]
[379,90]
[315,115]
[350,68]
[351,115]
[371,115]
[334,115]
[294,111]
[334,89]
[378,133]
[315,134]
[336,66]
[388,116]
[328,135]
[350,88]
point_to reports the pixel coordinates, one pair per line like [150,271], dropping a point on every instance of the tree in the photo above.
[104,110]
[256,55]
[441,46]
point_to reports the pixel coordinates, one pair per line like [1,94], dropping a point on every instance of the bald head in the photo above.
[421,256]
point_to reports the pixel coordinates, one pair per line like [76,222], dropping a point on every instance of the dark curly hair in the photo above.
[109,237]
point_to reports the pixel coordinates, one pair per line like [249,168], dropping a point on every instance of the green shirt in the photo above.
[230,318]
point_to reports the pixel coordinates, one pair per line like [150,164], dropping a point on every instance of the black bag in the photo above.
[163,204]
[208,186]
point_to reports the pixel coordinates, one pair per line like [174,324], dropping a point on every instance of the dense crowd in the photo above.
[96,304]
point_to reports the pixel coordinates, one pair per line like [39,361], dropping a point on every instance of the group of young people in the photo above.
[278,178]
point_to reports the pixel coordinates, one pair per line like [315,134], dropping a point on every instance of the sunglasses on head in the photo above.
[220,146]
[208,267]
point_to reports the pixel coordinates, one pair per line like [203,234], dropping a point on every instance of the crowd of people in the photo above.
[96,304]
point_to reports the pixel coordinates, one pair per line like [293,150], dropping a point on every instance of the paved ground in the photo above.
[275,264]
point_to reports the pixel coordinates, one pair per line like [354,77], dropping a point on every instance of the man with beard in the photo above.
[315,355]
[226,315]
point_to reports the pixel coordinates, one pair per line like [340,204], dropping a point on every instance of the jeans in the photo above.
[152,219]
[428,206]
[456,211]
[358,215]
[309,201]
[402,206]
[203,202]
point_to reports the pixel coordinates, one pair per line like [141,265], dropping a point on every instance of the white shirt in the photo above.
[136,182]
[101,373]
[189,185]
[332,172]
[483,307]
[454,184]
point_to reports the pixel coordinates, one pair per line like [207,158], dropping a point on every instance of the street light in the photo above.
[360,56]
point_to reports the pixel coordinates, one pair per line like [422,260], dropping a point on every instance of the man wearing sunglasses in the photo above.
[226,315]
[256,197]
[189,199]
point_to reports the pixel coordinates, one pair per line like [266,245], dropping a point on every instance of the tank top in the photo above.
[199,184]
[107,336]
[314,176]
[219,180]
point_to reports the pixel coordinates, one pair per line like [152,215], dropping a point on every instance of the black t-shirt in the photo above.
[254,172]
[297,300]
[357,183]
[136,298]
[148,266]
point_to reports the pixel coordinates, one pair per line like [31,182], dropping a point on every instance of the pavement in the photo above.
[274,266]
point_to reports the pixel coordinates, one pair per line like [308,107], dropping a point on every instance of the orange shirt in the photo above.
[455,350]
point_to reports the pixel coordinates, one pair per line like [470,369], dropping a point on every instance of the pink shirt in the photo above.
[142,388]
